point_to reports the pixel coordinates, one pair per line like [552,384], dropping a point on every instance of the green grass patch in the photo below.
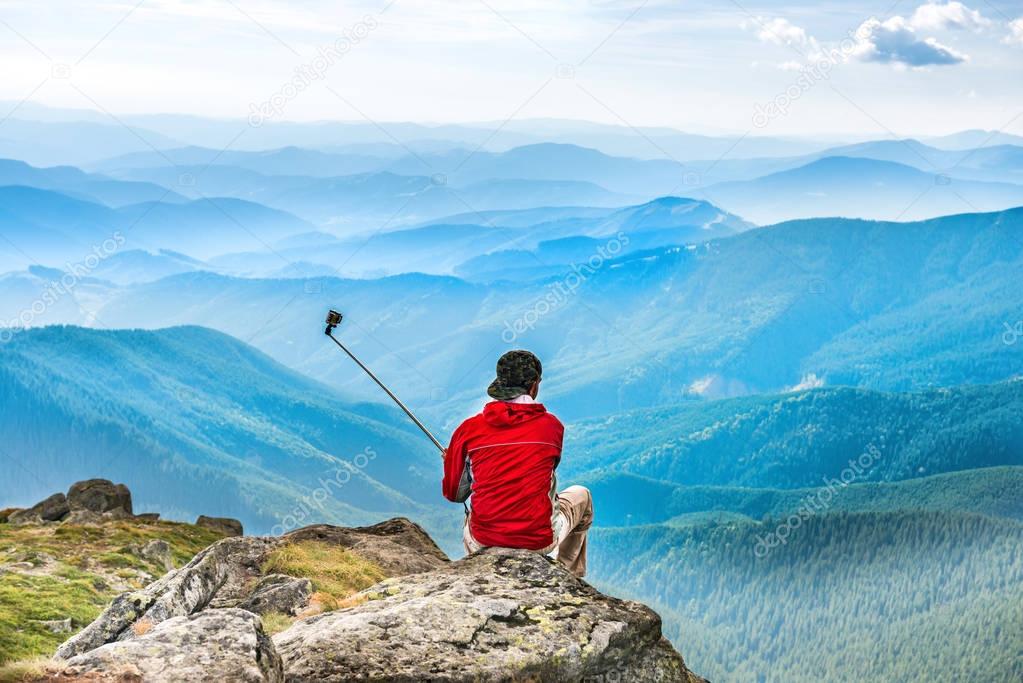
[79,585]
[36,668]
[335,572]
[26,600]
[273,623]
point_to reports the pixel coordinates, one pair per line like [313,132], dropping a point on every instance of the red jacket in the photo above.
[512,450]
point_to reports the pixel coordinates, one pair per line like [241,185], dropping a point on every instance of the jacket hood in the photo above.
[501,414]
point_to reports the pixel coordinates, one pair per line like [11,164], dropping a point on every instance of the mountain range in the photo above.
[789,369]
[692,499]
[802,439]
[905,180]
[44,227]
[892,306]
[198,422]
[561,236]
[841,186]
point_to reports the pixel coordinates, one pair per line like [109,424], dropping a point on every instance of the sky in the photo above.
[770,68]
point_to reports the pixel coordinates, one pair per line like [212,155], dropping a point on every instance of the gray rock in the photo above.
[225,525]
[158,551]
[56,625]
[100,496]
[227,573]
[279,593]
[80,517]
[115,621]
[224,645]
[148,516]
[498,615]
[52,509]
[216,577]
[398,546]
[6,513]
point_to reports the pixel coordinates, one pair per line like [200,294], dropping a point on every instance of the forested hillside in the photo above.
[828,534]
[197,422]
[913,597]
[795,440]
[629,500]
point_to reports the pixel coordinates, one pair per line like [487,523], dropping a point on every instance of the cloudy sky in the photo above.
[868,68]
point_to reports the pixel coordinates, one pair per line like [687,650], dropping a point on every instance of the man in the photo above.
[505,458]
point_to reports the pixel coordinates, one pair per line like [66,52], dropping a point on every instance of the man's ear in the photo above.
[535,389]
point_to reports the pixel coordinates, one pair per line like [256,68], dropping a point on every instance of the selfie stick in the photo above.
[333,320]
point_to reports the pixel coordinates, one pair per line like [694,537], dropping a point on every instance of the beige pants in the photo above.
[572,521]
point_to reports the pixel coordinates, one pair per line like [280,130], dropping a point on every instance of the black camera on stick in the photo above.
[333,320]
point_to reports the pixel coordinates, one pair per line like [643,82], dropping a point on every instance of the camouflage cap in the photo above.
[516,373]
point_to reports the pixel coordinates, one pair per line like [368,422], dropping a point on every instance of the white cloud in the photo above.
[935,16]
[779,31]
[1015,32]
[895,42]
[809,381]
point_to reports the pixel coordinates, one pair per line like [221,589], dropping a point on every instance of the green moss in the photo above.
[119,560]
[26,600]
[80,584]
[275,622]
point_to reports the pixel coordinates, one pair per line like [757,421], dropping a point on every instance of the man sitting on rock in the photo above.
[505,457]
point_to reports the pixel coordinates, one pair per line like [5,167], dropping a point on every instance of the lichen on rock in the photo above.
[498,615]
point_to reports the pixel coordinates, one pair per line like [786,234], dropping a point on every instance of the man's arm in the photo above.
[457,483]
[558,437]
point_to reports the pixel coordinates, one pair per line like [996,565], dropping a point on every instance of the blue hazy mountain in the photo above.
[460,167]
[285,161]
[367,201]
[659,142]
[195,421]
[442,248]
[90,187]
[893,306]
[798,440]
[137,265]
[464,181]
[550,161]
[51,143]
[969,139]
[46,227]
[859,188]
[523,218]
[20,290]
[996,163]
[619,140]
[570,239]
